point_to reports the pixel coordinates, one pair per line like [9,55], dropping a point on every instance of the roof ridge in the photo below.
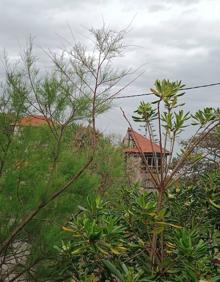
[33,120]
[142,136]
[145,144]
[36,116]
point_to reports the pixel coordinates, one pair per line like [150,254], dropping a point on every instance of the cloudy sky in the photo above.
[175,39]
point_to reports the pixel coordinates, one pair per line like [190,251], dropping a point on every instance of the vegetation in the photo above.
[45,171]
[67,211]
[108,242]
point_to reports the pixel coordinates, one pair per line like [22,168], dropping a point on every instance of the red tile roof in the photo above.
[142,143]
[33,120]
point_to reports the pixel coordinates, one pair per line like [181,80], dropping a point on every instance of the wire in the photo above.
[186,88]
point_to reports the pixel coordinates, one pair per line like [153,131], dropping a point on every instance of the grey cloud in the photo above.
[170,38]
[156,6]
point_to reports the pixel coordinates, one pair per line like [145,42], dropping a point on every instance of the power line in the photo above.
[186,88]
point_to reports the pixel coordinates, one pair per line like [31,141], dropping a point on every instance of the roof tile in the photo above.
[33,120]
[142,143]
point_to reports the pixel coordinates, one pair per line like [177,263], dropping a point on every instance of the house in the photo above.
[138,148]
[31,120]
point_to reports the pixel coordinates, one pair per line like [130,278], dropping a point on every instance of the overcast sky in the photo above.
[175,39]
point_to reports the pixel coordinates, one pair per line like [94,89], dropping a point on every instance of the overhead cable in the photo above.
[186,88]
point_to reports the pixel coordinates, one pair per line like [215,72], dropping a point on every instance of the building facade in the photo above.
[142,155]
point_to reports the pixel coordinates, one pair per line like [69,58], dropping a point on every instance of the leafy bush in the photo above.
[107,242]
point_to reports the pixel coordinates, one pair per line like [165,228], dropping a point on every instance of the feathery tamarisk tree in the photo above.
[38,167]
[91,71]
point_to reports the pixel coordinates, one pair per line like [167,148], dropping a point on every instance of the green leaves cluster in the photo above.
[168,93]
[191,257]
[145,113]
[172,114]
[174,123]
[202,117]
[96,231]
[105,242]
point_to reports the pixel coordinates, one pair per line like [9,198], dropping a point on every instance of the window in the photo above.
[153,161]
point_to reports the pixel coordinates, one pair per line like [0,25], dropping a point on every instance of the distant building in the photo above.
[31,120]
[137,146]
